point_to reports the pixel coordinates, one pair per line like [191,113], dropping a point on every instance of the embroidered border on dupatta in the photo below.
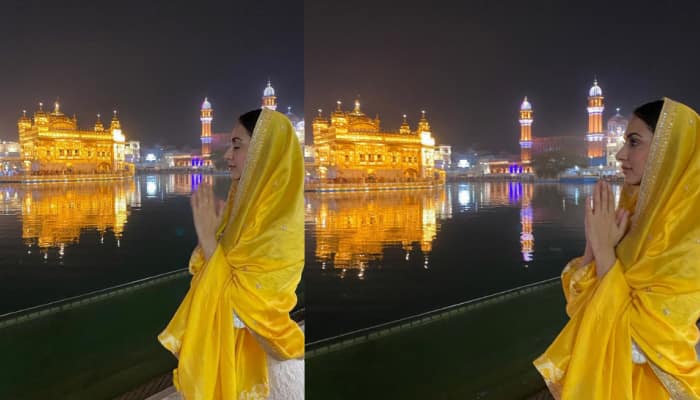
[674,387]
[257,392]
[254,152]
[657,153]
[552,376]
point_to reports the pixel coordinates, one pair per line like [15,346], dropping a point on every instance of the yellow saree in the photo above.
[254,272]
[651,295]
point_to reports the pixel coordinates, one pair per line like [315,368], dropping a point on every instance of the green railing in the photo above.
[95,346]
[479,349]
[99,345]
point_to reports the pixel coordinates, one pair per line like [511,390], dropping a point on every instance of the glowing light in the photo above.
[151,188]
[150,157]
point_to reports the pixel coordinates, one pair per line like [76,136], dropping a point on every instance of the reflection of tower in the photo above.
[269,100]
[595,134]
[527,238]
[525,134]
[206,116]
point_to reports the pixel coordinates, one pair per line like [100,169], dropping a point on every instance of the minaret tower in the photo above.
[206,115]
[525,134]
[269,100]
[595,134]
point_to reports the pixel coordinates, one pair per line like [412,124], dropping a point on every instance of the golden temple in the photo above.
[52,143]
[351,147]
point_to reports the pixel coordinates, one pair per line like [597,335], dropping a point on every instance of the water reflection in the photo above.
[356,231]
[53,214]
[527,238]
[353,229]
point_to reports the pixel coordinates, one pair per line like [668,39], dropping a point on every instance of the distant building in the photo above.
[269,100]
[597,145]
[443,157]
[10,158]
[132,152]
[566,144]
[596,135]
[298,124]
[216,144]
[617,125]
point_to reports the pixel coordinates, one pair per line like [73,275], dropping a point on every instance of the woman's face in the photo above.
[633,155]
[236,155]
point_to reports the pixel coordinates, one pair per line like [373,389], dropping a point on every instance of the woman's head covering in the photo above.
[254,272]
[652,294]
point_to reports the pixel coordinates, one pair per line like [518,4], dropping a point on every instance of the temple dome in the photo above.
[525,106]
[269,90]
[595,90]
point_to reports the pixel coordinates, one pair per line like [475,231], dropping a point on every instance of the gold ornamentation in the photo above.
[672,385]
[257,392]
[657,153]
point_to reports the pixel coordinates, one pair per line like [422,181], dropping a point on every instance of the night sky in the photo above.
[153,61]
[471,63]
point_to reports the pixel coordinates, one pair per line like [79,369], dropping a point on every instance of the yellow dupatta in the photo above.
[253,272]
[650,296]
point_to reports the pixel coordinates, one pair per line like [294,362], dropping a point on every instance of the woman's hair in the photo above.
[249,119]
[649,113]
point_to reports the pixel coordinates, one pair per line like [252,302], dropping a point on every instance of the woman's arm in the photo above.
[207,218]
[605,227]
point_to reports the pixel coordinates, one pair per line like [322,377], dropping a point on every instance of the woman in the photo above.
[234,321]
[634,297]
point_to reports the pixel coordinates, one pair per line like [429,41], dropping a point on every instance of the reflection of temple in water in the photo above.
[353,228]
[54,215]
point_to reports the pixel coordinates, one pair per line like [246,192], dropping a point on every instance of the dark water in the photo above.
[377,257]
[372,257]
[64,239]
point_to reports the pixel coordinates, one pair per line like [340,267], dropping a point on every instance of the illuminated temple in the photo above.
[352,147]
[52,143]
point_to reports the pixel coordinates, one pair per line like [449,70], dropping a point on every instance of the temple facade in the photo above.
[350,146]
[51,142]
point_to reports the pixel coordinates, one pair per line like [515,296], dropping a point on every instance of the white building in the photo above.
[617,125]
[443,157]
